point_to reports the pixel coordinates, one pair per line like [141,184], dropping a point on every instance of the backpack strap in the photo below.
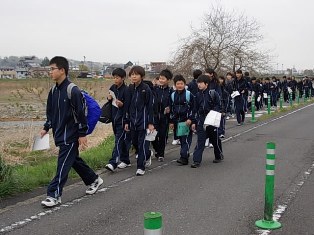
[187,95]
[172,96]
[69,89]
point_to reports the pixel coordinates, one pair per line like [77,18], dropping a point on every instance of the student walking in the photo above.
[206,100]
[182,113]
[162,113]
[139,118]
[120,154]
[68,133]
[240,85]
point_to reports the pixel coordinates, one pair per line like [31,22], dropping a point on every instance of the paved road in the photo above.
[224,198]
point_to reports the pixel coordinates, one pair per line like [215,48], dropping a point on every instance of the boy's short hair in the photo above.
[178,78]
[166,73]
[137,70]
[230,74]
[253,79]
[239,71]
[267,79]
[246,74]
[203,78]
[119,72]
[209,70]
[197,73]
[61,62]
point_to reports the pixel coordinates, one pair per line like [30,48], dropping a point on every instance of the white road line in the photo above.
[38,216]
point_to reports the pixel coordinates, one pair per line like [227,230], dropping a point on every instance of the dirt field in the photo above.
[22,111]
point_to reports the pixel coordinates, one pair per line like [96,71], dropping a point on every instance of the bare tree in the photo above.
[225,41]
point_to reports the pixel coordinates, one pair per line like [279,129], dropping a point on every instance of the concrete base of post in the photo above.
[264,224]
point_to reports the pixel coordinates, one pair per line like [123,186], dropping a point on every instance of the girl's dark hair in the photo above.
[178,78]
[197,73]
[61,62]
[203,78]
[229,73]
[137,70]
[166,73]
[119,72]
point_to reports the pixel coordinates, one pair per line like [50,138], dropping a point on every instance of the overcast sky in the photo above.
[144,30]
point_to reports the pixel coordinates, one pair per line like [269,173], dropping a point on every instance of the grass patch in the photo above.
[278,112]
[42,168]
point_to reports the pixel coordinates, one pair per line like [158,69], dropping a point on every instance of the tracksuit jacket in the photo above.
[60,115]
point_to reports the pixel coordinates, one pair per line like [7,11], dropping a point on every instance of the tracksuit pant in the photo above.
[138,138]
[160,142]
[211,133]
[185,142]
[239,108]
[221,129]
[69,157]
[121,148]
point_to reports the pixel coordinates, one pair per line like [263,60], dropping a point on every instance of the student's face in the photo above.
[163,81]
[238,75]
[180,85]
[229,77]
[117,80]
[55,73]
[202,85]
[136,78]
[221,81]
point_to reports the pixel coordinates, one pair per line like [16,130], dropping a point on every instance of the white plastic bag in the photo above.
[234,94]
[212,119]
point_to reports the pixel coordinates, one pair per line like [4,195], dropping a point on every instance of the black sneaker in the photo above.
[183,161]
[195,165]
[217,161]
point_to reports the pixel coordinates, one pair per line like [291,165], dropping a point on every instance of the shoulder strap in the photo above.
[212,94]
[69,89]
[172,96]
[187,95]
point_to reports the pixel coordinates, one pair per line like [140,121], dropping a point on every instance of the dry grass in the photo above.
[24,100]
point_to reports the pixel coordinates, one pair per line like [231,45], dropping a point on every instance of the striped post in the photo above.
[253,109]
[281,100]
[268,104]
[298,97]
[152,223]
[268,222]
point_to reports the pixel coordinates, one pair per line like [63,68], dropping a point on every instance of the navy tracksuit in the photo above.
[274,91]
[203,104]
[192,87]
[181,111]
[139,116]
[122,138]
[224,102]
[66,133]
[256,87]
[241,86]
[161,119]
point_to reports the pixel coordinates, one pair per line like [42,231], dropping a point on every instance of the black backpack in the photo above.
[106,112]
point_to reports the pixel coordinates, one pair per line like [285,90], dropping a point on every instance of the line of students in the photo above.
[161,107]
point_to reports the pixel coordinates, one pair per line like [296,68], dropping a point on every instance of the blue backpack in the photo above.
[187,96]
[92,110]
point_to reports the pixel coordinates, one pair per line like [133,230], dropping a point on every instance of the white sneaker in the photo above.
[149,161]
[123,165]
[207,143]
[140,172]
[222,136]
[136,156]
[94,186]
[51,202]
[211,145]
[110,167]
[176,142]
[227,117]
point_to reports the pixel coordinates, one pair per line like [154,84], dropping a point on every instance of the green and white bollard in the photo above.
[268,104]
[152,223]
[253,109]
[268,222]
[281,100]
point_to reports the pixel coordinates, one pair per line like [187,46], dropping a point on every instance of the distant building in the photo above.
[7,72]
[156,67]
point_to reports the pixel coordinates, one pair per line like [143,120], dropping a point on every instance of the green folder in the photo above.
[182,129]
